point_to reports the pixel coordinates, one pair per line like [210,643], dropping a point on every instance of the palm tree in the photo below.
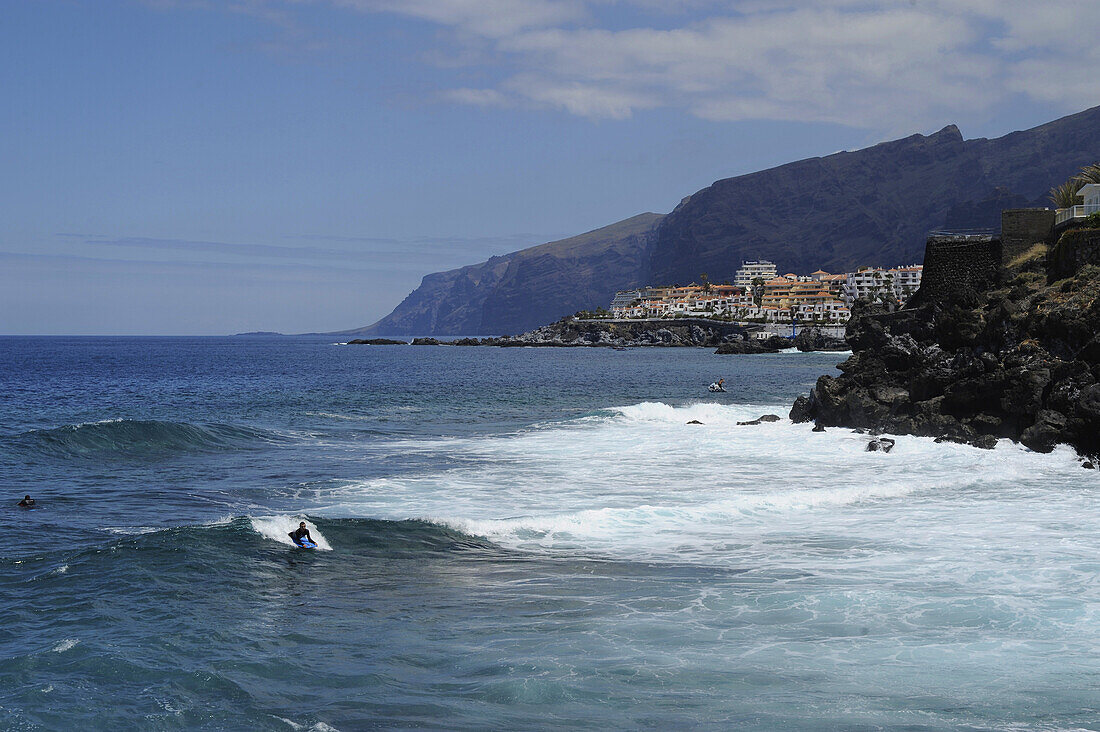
[757,290]
[1065,195]
[1088,174]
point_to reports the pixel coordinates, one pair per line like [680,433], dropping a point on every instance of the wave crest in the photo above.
[140,438]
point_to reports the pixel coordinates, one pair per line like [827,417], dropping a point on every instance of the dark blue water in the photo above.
[515,538]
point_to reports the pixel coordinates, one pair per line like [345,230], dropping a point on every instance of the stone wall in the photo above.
[1075,248]
[1022,228]
[954,263]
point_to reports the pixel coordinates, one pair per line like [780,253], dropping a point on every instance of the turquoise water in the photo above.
[520,539]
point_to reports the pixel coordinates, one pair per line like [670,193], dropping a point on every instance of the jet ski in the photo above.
[716,387]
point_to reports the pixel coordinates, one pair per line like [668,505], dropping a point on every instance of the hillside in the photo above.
[518,291]
[872,206]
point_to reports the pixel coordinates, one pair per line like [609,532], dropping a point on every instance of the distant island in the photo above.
[258,333]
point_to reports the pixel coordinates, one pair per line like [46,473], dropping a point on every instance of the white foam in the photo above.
[65,645]
[638,481]
[131,530]
[316,727]
[278,528]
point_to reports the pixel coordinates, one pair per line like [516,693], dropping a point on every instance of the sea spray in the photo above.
[640,481]
[278,528]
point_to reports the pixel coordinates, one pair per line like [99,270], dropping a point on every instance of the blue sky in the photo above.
[207,167]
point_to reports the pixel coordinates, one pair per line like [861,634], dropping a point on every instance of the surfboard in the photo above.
[306,544]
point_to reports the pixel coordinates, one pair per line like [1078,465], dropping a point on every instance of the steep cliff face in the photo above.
[525,289]
[873,206]
[832,212]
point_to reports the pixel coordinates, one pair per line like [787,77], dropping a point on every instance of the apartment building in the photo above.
[750,271]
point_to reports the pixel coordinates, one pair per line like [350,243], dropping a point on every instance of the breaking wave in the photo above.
[130,437]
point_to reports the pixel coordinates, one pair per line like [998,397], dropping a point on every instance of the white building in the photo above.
[751,270]
[873,282]
[624,298]
[906,280]
[1090,194]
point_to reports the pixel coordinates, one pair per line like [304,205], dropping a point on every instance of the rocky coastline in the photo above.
[1010,350]
[727,338]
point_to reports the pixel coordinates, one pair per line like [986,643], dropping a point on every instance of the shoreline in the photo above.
[726,337]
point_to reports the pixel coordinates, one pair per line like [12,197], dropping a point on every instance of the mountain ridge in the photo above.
[870,206]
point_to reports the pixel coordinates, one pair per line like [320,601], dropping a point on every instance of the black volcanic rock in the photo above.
[375,342]
[812,339]
[750,346]
[872,206]
[1018,361]
[760,420]
[685,332]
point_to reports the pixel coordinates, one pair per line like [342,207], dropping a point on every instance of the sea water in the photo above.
[517,539]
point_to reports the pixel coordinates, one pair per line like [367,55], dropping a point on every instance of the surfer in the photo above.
[297,535]
[27,502]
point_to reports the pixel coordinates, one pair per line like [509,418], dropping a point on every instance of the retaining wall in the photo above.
[1022,228]
[953,264]
[1076,247]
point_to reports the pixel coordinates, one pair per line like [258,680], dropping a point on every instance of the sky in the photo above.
[190,167]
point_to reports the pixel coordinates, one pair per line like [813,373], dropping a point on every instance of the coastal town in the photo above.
[760,295]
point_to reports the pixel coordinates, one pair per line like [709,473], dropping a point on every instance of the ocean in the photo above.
[517,538]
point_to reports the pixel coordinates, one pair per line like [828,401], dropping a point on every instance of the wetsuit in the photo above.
[27,503]
[297,534]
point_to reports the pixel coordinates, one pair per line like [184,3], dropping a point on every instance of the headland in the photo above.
[1002,341]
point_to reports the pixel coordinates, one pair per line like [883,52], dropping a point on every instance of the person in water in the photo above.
[297,535]
[27,502]
[720,382]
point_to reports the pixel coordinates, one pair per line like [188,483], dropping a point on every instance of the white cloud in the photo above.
[884,64]
[491,18]
[476,97]
[582,98]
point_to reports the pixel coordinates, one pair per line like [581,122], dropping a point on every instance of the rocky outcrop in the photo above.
[871,206]
[812,339]
[569,332]
[1019,359]
[880,444]
[760,420]
[376,342]
[774,344]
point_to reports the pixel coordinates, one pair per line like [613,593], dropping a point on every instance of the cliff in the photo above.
[524,289]
[873,206]
[1004,352]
